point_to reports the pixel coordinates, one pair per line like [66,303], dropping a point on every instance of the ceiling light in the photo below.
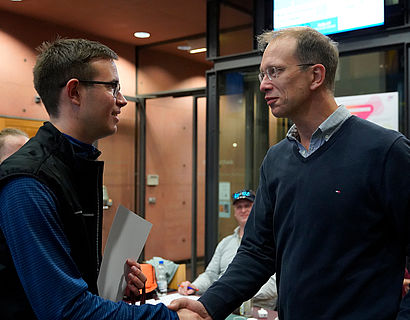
[142,35]
[197,50]
[184,48]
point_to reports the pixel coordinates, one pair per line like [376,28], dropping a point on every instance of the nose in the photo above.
[244,209]
[266,84]
[120,100]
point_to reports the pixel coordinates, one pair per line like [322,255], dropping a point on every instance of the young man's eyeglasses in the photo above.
[274,72]
[115,85]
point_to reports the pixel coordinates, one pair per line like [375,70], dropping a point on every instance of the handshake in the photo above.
[189,309]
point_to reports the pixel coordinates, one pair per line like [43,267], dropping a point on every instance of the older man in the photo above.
[331,214]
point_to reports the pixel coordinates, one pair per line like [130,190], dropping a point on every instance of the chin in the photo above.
[278,113]
[108,132]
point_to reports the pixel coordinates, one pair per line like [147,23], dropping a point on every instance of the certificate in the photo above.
[126,239]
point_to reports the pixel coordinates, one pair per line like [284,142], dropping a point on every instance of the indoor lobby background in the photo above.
[196,127]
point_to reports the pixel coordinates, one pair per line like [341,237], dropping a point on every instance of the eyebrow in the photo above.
[273,66]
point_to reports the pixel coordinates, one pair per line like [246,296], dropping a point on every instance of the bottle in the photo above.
[246,308]
[162,278]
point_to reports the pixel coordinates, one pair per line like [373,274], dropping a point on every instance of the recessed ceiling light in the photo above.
[197,50]
[142,35]
[16,0]
[184,48]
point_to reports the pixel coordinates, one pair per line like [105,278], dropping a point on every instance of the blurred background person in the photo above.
[225,252]
[406,283]
[11,139]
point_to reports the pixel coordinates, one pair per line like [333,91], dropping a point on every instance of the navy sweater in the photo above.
[333,226]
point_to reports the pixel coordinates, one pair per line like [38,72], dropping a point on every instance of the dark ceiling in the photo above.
[171,23]
[119,19]
[165,20]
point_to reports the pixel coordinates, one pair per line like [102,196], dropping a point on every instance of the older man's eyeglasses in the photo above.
[115,85]
[274,72]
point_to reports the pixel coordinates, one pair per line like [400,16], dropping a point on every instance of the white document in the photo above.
[167,299]
[126,240]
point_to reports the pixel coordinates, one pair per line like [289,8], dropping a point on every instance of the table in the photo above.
[271,314]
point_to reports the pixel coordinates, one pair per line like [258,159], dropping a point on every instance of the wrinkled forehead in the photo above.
[280,51]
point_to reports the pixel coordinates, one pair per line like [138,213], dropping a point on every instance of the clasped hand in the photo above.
[189,309]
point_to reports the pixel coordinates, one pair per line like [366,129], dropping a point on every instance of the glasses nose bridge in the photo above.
[262,76]
[266,81]
[117,90]
[270,74]
[120,99]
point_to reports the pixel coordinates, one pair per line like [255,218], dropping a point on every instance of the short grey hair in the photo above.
[312,47]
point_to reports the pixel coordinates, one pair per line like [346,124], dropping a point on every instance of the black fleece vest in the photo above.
[76,184]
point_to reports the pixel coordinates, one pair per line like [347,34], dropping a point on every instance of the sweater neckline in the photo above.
[326,145]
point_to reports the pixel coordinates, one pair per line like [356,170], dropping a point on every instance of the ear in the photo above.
[319,73]
[73,92]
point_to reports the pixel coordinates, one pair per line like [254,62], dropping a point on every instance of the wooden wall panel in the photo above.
[28,126]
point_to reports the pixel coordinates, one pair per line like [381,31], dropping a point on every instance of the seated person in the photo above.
[11,139]
[406,282]
[225,252]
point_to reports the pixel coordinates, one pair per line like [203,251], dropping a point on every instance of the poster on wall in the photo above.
[380,108]
[224,199]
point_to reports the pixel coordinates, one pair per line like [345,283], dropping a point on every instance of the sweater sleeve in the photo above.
[253,264]
[396,186]
[41,255]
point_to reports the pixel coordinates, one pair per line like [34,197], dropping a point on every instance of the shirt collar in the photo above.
[335,120]
[84,150]
[327,127]
[236,231]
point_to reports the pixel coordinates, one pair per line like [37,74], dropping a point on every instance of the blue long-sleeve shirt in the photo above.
[41,254]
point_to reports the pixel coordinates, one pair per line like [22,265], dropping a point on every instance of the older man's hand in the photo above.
[189,309]
[185,314]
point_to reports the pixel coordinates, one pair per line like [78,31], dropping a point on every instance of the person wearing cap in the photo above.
[225,252]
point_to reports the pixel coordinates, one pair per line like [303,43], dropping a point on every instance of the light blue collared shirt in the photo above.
[323,133]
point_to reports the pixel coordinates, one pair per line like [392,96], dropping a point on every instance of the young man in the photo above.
[225,252]
[331,214]
[11,139]
[51,194]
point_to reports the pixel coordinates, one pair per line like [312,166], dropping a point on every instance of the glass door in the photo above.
[246,131]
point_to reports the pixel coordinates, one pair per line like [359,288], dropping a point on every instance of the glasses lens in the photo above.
[272,73]
[117,89]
